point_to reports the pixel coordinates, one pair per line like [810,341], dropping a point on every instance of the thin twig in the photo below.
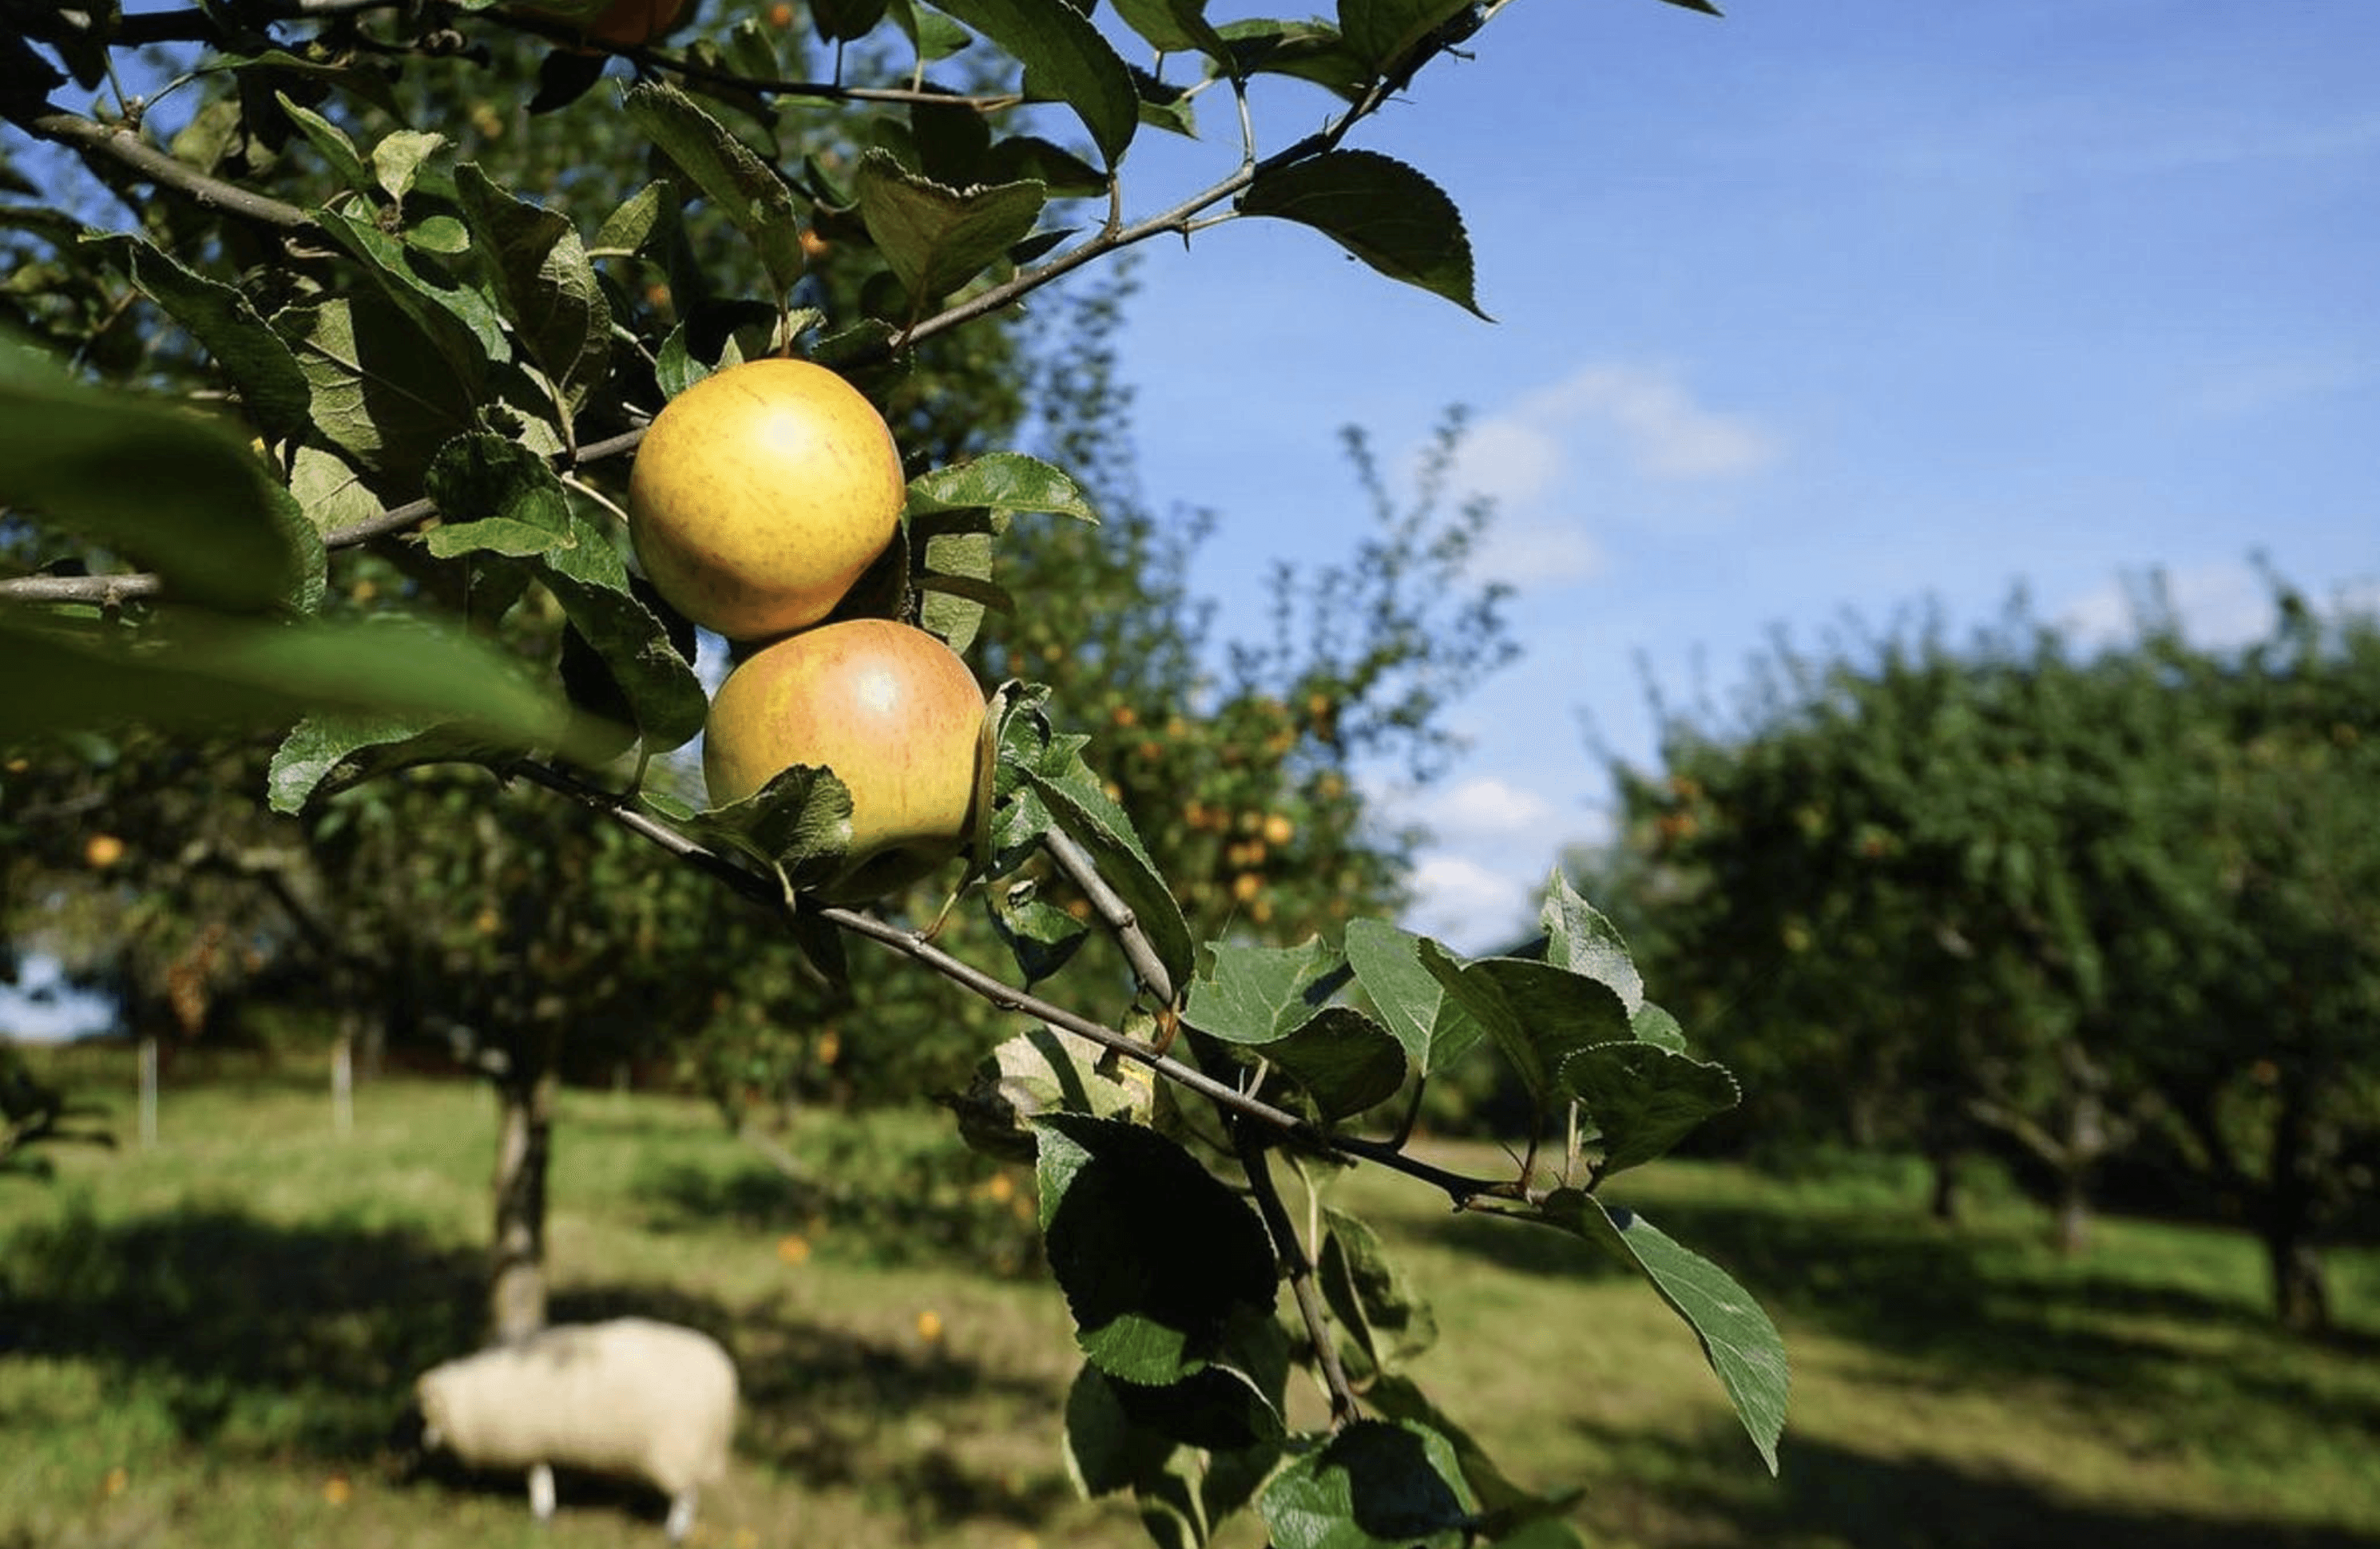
[124,146]
[1114,913]
[1298,1270]
[764,891]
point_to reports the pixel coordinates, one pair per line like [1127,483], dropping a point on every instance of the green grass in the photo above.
[205,1344]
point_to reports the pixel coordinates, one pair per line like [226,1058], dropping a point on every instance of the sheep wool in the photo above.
[632,1398]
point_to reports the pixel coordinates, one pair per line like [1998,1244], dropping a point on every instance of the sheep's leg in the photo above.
[541,1492]
[681,1516]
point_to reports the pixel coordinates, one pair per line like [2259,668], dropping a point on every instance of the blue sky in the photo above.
[1813,309]
[1817,307]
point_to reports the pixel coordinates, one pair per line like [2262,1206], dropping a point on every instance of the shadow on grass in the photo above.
[1972,1302]
[265,1340]
[1707,1491]
[921,1214]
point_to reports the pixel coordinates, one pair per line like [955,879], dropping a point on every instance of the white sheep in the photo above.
[631,1397]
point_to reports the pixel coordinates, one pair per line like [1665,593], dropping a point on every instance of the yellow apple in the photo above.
[760,494]
[891,709]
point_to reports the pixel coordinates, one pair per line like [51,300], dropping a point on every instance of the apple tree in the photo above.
[2094,903]
[336,441]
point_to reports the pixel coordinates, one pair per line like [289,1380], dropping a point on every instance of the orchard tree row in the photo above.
[2103,908]
[328,408]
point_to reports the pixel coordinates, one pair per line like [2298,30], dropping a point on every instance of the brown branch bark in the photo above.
[122,145]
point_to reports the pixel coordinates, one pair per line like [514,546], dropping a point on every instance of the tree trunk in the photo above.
[2074,1211]
[524,1146]
[1945,1202]
[2301,1295]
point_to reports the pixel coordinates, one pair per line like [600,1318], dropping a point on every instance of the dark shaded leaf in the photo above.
[1644,1099]
[1307,49]
[936,238]
[185,496]
[1390,1322]
[1156,1257]
[1064,57]
[544,285]
[737,183]
[1174,26]
[252,357]
[1537,1014]
[1379,209]
[1384,33]
[1374,1486]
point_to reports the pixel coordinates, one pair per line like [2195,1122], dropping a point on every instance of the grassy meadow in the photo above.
[206,1344]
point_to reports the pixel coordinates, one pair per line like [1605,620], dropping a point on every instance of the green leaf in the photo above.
[1374,1486]
[460,322]
[1065,58]
[500,499]
[326,753]
[1383,33]
[1164,105]
[1008,483]
[1155,1255]
[1107,1450]
[544,284]
[1741,1343]
[644,220]
[1651,1024]
[1390,1322]
[180,494]
[1432,1026]
[936,238]
[737,183]
[1271,1001]
[1174,26]
[935,36]
[1342,1060]
[1509,1512]
[957,578]
[1067,794]
[336,149]
[1254,995]
[1040,936]
[1232,1403]
[330,494]
[1379,209]
[1040,1071]
[397,159]
[1578,937]
[1643,1098]
[252,357]
[192,670]
[1307,49]
[799,822]
[379,397]
[843,21]
[1537,1014]
[1029,157]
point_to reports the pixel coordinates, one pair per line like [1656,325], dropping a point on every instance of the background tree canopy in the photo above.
[2112,910]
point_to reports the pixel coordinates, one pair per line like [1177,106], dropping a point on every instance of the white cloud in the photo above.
[1485,809]
[1660,428]
[2217,605]
[1471,907]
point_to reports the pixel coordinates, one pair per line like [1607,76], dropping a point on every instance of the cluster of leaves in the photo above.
[2071,899]
[392,540]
